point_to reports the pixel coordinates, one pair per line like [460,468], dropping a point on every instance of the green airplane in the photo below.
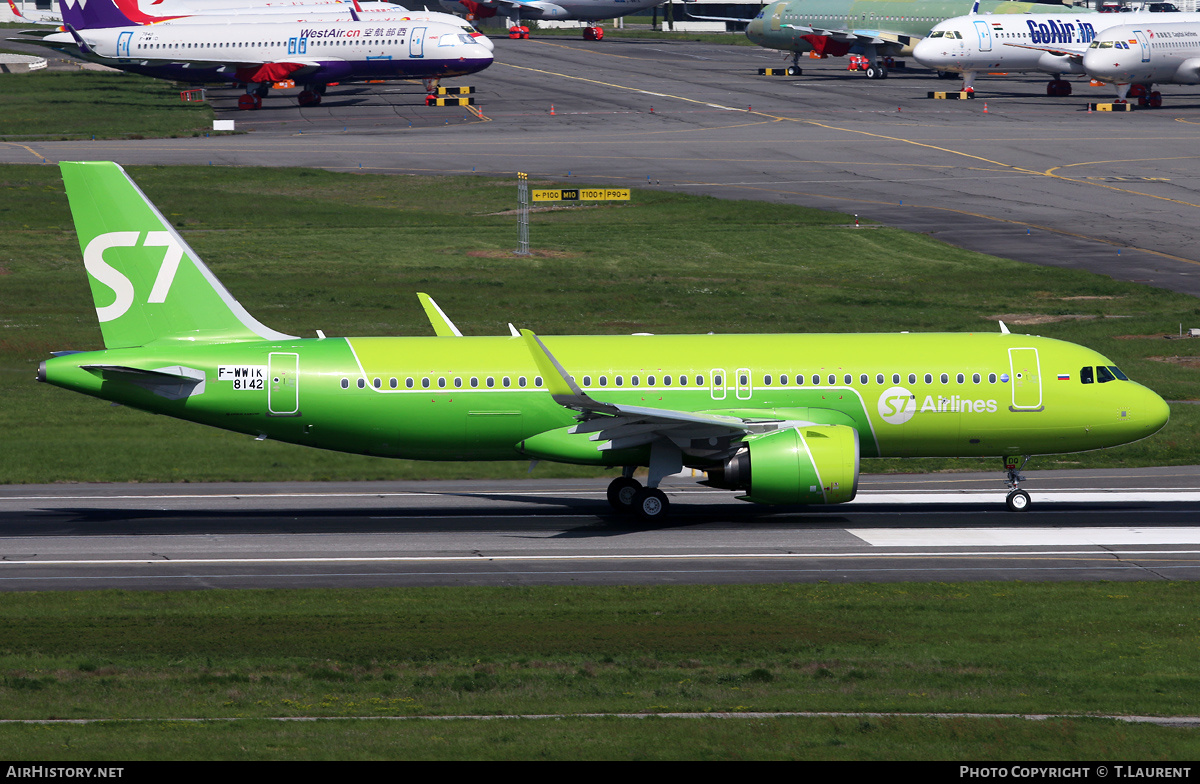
[877,29]
[784,418]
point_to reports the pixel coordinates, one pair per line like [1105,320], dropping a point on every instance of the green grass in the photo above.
[345,253]
[1079,649]
[53,105]
[608,738]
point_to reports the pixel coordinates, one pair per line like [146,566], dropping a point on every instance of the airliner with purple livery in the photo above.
[312,53]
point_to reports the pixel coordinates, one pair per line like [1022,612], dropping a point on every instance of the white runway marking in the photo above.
[1036,497]
[1032,537]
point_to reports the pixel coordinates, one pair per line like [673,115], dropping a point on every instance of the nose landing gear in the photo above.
[1017,499]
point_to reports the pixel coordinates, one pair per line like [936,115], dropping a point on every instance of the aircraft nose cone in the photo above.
[924,53]
[1103,63]
[1157,412]
[754,30]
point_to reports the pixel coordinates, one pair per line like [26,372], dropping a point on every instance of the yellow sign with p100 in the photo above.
[582,194]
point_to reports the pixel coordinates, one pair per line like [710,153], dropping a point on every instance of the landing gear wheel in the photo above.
[262,90]
[872,72]
[650,504]
[621,492]
[1059,88]
[1017,501]
[309,98]
[794,70]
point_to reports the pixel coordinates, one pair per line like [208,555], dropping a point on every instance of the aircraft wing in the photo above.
[1062,50]
[861,37]
[289,68]
[618,426]
[849,36]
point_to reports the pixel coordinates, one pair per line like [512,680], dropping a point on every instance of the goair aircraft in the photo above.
[874,28]
[1049,43]
[311,53]
[783,418]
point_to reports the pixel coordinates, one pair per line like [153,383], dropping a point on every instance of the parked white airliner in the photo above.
[313,54]
[194,12]
[1143,55]
[1046,43]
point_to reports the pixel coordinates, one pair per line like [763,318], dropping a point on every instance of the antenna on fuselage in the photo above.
[1003,328]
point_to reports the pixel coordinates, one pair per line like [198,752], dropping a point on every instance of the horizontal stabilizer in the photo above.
[173,383]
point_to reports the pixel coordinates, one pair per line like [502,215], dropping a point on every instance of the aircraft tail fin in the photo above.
[147,284]
[93,14]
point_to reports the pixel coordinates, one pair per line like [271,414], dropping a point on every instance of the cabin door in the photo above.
[1145,44]
[718,384]
[985,36]
[1026,379]
[283,384]
[416,44]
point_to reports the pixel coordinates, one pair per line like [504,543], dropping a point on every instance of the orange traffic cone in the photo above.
[552,109]
[985,111]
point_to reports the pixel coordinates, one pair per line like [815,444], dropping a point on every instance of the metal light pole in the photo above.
[523,214]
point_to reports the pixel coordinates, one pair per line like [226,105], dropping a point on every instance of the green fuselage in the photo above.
[798,25]
[481,398]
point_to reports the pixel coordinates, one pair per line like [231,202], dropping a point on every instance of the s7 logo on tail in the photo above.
[101,270]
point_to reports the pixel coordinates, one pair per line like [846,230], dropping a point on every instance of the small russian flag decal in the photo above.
[1064,376]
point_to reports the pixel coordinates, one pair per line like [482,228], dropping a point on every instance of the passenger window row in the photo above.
[699,380]
[441,382]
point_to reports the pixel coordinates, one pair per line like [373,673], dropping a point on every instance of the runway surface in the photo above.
[1137,524]
[1014,172]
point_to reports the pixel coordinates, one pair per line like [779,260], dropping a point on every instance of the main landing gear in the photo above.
[628,496]
[1058,88]
[1147,97]
[252,98]
[1018,499]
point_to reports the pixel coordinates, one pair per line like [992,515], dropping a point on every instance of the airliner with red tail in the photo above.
[312,53]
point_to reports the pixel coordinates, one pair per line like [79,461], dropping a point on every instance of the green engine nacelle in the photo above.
[813,464]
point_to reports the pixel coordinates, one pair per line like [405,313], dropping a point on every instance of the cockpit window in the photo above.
[1104,375]
[937,33]
[1106,44]
[1117,372]
[1086,376]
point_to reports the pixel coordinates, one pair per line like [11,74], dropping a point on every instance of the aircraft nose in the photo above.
[1157,412]
[1141,413]
[754,29]
[924,53]
[1103,63]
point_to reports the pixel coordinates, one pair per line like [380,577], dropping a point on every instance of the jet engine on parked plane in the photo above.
[813,464]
